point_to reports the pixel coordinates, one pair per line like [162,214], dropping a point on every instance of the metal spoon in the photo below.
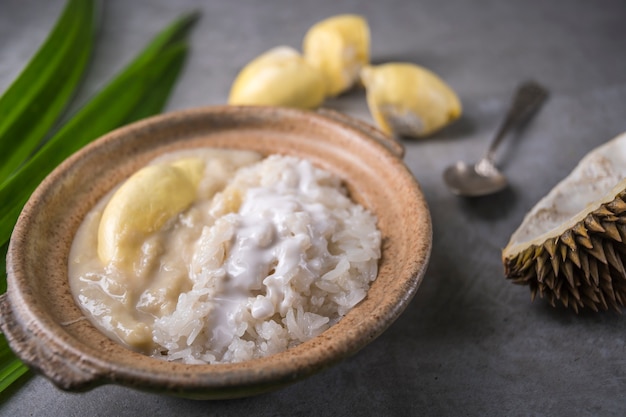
[484,177]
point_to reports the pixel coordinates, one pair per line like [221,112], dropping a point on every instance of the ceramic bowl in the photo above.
[46,328]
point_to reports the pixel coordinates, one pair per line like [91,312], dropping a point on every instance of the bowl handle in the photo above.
[36,350]
[388,142]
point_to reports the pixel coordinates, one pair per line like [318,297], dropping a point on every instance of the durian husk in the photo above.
[581,262]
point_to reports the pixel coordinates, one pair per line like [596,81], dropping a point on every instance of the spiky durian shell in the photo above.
[583,267]
[571,246]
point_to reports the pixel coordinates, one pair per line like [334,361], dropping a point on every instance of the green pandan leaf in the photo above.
[36,99]
[11,368]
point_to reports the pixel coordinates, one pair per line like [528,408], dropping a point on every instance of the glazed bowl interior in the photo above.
[48,330]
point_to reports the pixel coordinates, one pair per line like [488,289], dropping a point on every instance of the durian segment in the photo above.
[408,100]
[338,47]
[279,77]
[571,246]
[143,204]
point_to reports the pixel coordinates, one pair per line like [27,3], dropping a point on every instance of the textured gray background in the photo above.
[470,343]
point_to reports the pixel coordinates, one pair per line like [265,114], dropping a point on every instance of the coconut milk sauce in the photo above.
[266,253]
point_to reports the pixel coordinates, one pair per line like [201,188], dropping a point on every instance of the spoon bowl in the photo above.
[484,178]
[475,180]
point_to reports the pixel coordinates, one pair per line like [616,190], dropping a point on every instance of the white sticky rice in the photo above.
[290,263]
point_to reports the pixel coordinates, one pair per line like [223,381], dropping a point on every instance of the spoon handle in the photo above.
[528,98]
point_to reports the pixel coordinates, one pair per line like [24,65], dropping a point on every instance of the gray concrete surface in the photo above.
[470,343]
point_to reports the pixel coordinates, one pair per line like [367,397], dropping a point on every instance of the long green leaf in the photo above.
[10,367]
[3,267]
[175,33]
[33,103]
[114,106]
[156,98]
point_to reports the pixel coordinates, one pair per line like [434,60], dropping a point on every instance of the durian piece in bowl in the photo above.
[571,246]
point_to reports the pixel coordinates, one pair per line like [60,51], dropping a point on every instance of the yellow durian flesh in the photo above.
[408,100]
[279,77]
[571,246]
[143,204]
[338,47]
